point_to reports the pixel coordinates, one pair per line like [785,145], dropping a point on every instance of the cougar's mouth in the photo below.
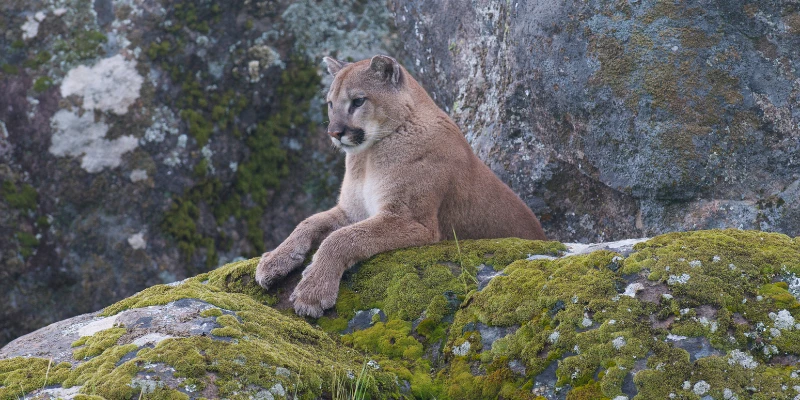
[352,137]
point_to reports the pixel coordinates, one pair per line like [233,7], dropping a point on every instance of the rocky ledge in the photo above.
[695,315]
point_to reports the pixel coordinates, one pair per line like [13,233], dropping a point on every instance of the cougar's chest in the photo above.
[361,190]
[370,195]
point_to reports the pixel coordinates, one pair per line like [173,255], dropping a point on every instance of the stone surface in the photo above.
[618,119]
[216,336]
[142,142]
[611,120]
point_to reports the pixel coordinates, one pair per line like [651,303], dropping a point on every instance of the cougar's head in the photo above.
[365,101]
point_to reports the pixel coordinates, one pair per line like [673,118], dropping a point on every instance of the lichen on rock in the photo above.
[113,84]
[560,326]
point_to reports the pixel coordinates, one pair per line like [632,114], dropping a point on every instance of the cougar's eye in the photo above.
[359,102]
[330,105]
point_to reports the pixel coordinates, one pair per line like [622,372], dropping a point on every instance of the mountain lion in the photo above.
[411,179]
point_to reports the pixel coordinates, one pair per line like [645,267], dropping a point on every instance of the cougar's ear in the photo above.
[334,65]
[387,68]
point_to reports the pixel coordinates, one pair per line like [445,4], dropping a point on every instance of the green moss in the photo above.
[159,50]
[199,127]
[27,240]
[21,375]
[723,267]
[21,199]
[257,176]
[568,311]
[37,60]
[263,337]
[590,391]
[392,339]
[90,346]
[42,83]
[332,325]
[28,243]
[102,376]
[615,65]
[196,16]
[780,297]
[211,312]
[404,282]
[9,69]
[693,38]
[82,45]
[239,277]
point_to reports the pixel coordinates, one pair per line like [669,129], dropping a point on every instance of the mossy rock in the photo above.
[548,325]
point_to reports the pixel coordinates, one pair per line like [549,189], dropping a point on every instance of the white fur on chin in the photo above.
[349,148]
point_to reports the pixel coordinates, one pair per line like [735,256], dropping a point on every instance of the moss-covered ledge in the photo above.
[685,315]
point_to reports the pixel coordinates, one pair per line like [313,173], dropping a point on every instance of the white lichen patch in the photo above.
[794,285]
[587,322]
[739,357]
[553,338]
[151,339]
[30,28]
[278,390]
[137,241]
[695,263]
[97,326]
[266,56]
[711,325]
[701,387]
[60,393]
[632,289]
[164,123]
[80,136]
[112,84]
[619,342]
[138,175]
[253,71]
[783,320]
[678,279]
[462,349]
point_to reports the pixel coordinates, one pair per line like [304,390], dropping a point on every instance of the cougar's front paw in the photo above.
[317,291]
[274,265]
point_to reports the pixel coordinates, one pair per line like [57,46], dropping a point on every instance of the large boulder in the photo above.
[630,118]
[143,141]
[707,314]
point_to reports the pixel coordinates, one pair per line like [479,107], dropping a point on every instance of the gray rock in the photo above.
[490,334]
[627,119]
[364,319]
[146,327]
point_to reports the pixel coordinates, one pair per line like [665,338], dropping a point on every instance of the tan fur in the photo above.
[413,181]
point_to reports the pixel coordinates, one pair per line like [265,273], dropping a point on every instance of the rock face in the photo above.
[682,315]
[145,141]
[617,119]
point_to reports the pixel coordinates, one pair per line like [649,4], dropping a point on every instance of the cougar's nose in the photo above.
[336,134]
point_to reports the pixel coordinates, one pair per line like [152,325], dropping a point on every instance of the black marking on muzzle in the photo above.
[357,136]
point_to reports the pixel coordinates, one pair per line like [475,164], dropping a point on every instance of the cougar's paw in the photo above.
[264,274]
[315,292]
[275,265]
